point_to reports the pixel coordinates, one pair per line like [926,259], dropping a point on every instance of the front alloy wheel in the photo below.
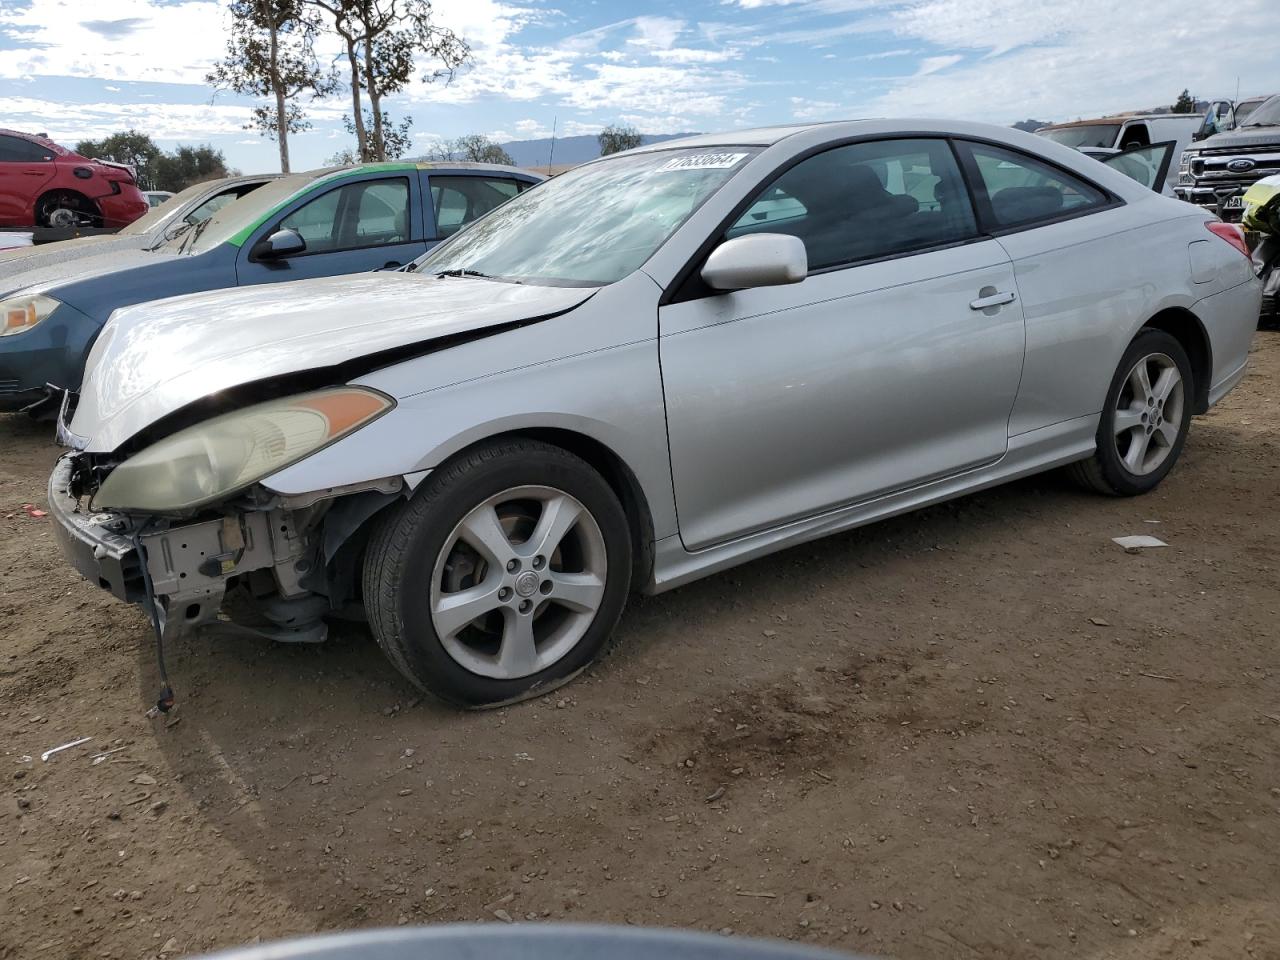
[518,582]
[502,577]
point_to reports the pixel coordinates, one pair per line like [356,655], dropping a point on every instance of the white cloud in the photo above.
[933,64]
[67,123]
[1104,57]
[141,40]
[804,109]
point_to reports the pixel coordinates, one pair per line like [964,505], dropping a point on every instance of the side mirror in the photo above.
[282,243]
[756,260]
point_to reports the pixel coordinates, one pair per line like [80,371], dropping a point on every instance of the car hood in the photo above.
[1240,138]
[40,275]
[25,259]
[155,358]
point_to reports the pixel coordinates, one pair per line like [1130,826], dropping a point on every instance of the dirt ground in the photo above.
[983,730]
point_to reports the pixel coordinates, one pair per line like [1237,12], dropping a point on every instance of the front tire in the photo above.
[502,577]
[1144,422]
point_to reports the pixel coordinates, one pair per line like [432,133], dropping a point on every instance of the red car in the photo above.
[45,185]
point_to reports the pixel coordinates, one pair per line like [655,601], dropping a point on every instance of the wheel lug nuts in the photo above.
[524,606]
[504,593]
[539,563]
[513,566]
[545,587]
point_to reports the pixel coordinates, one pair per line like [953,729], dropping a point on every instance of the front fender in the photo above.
[611,396]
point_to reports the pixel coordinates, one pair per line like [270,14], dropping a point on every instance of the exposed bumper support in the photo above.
[191,565]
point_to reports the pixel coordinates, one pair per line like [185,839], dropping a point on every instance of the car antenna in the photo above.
[165,701]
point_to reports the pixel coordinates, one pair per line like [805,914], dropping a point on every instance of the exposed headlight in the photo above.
[19,314]
[219,457]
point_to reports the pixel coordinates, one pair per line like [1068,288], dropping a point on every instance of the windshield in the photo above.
[159,214]
[593,225]
[1085,135]
[1266,115]
[237,215]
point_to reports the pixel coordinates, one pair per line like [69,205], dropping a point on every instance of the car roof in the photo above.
[36,137]
[750,137]
[473,165]
[1121,118]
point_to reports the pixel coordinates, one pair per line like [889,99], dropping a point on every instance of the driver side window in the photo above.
[317,221]
[363,214]
[866,201]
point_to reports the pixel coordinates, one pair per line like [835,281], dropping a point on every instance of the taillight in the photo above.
[1230,232]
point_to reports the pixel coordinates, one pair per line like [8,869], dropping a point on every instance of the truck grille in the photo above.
[1233,169]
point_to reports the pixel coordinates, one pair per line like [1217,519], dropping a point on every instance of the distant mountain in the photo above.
[569,150]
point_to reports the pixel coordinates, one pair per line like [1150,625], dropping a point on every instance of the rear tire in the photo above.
[1145,419]
[502,577]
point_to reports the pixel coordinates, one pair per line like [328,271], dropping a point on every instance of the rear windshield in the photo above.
[1085,135]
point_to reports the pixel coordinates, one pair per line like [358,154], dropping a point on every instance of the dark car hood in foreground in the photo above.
[22,259]
[39,275]
[155,358]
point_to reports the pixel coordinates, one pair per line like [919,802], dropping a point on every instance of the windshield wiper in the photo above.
[170,236]
[194,235]
[463,272]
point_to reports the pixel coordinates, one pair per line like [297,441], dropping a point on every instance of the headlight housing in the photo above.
[212,460]
[19,314]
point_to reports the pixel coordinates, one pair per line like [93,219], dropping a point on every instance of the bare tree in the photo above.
[270,53]
[474,147]
[382,40]
[616,137]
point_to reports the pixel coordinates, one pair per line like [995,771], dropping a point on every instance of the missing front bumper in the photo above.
[191,565]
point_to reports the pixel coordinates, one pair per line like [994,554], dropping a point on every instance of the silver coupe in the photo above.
[644,371]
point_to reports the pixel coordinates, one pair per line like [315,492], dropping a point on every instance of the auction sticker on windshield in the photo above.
[704,161]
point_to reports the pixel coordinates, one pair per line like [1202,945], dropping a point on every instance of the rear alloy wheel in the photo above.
[1144,424]
[502,577]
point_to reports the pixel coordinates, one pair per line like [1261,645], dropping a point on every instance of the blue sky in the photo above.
[85,68]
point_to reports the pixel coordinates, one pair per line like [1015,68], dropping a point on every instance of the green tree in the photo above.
[271,53]
[187,165]
[129,146]
[382,40]
[1185,102]
[474,147]
[616,138]
[157,169]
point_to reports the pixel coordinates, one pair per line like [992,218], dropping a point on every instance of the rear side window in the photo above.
[866,201]
[459,200]
[17,150]
[1022,190]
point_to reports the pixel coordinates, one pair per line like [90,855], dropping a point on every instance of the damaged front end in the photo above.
[187,523]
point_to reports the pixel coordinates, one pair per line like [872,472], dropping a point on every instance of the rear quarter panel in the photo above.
[1087,286]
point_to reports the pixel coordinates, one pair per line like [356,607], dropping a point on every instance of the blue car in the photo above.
[317,224]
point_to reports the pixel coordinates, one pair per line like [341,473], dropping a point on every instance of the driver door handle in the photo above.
[993,300]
